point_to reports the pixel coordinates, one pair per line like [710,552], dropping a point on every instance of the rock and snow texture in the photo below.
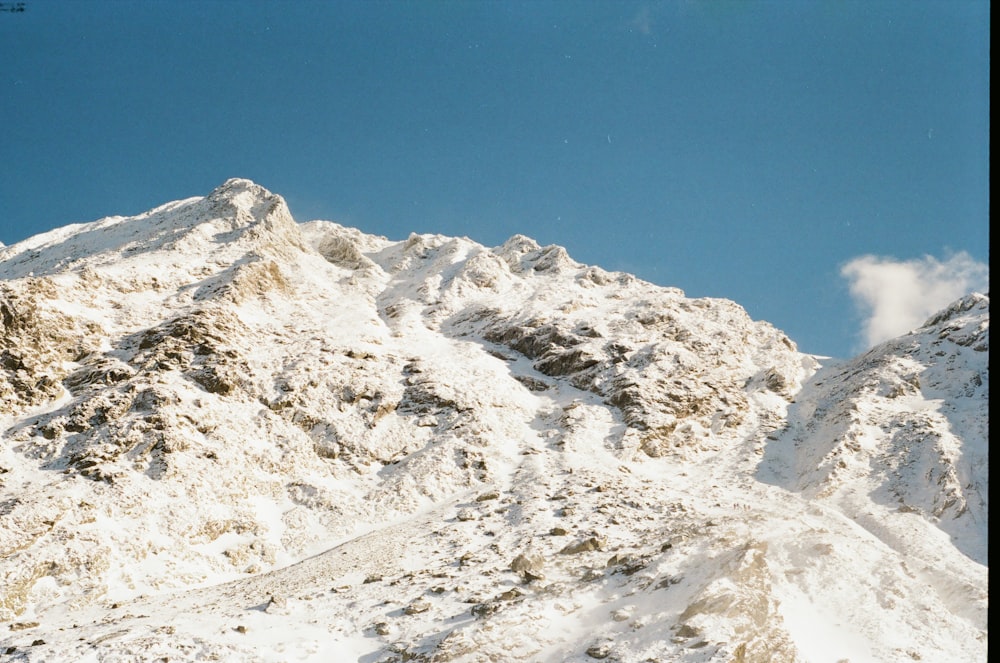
[230,436]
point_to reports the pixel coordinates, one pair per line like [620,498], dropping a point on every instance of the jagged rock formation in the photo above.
[432,450]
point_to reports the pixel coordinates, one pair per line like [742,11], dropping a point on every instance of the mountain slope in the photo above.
[226,434]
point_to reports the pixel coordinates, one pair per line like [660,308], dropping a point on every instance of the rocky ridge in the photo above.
[432,450]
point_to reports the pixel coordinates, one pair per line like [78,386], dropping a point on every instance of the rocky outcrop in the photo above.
[37,341]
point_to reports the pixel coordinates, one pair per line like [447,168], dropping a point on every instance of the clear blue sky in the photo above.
[744,150]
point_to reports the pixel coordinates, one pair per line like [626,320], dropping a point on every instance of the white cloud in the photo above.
[897,296]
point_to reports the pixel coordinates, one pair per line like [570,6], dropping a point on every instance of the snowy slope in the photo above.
[230,436]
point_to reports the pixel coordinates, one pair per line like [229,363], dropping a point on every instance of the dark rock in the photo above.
[214,381]
[625,564]
[687,631]
[534,384]
[566,363]
[601,650]
[510,595]
[667,581]
[481,610]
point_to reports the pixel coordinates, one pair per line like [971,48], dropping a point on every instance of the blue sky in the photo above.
[813,161]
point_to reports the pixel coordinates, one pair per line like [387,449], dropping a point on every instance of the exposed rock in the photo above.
[483,610]
[486,497]
[466,515]
[584,545]
[275,604]
[417,607]
[529,567]
[600,650]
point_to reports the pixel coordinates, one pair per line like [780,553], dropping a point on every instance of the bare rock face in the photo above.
[36,340]
[211,409]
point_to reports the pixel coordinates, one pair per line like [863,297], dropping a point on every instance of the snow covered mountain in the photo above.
[225,435]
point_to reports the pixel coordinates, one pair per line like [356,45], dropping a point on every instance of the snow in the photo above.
[228,435]
[818,636]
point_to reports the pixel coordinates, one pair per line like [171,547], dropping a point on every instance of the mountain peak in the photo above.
[250,202]
[240,191]
[974,301]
